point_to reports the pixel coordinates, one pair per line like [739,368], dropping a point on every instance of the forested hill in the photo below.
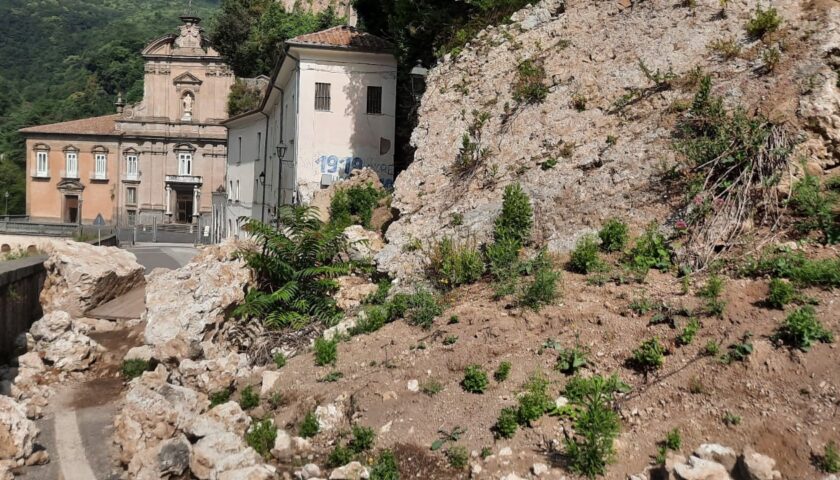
[67,59]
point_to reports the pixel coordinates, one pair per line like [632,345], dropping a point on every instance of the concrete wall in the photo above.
[245,162]
[20,289]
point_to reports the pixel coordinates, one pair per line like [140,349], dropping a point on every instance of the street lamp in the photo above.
[262,178]
[7,205]
[418,80]
[281,150]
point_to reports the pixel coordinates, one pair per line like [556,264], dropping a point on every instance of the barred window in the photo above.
[374,100]
[322,97]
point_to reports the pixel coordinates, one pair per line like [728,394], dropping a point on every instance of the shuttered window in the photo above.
[374,100]
[322,97]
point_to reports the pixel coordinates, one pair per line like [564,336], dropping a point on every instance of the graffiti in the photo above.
[342,166]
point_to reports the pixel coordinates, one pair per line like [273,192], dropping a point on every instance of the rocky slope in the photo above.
[606,162]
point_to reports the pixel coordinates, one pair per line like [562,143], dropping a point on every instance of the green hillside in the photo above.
[67,59]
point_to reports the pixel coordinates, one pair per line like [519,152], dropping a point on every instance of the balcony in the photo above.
[70,174]
[99,176]
[43,175]
[184,179]
[131,177]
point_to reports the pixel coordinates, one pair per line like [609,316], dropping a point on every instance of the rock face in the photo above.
[17,433]
[578,157]
[364,244]
[81,276]
[183,304]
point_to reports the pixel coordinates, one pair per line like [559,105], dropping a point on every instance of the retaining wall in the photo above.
[20,289]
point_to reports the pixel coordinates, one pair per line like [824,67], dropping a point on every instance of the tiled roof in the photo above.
[86,126]
[344,37]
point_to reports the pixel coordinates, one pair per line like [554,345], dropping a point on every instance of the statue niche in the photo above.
[187,102]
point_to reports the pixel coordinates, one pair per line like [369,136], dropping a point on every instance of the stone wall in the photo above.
[20,287]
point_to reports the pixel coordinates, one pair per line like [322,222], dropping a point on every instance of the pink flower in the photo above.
[681,225]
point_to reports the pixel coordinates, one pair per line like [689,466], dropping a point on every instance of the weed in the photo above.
[133,368]
[548,164]
[695,386]
[781,293]
[354,205]
[456,219]
[431,387]
[596,426]
[331,377]
[816,208]
[542,290]
[651,250]
[726,48]
[276,400]
[445,437]
[326,351]
[219,398]
[385,467]
[370,320]
[763,22]
[503,372]
[485,452]
[517,217]
[279,359]
[673,440]
[739,351]
[471,153]
[770,57]
[383,287]
[712,348]
[649,356]
[529,86]
[450,340]
[830,461]
[339,456]
[689,332]
[452,320]
[363,439]
[535,401]
[570,360]
[614,235]
[454,265]
[419,309]
[503,259]
[414,244]
[801,330]
[712,291]
[457,456]
[579,102]
[642,305]
[475,379]
[585,257]
[310,426]
[248,398]
[261,435]
[796,267]
[507,423]
[731,420]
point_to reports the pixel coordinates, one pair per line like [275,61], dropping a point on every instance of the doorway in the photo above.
[71,208]
[183,207]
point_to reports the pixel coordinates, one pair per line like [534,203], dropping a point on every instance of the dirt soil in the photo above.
[788,400]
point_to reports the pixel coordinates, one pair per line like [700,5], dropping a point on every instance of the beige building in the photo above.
[159,159]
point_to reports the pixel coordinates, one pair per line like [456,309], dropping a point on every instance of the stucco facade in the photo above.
[329,109]
[163,157]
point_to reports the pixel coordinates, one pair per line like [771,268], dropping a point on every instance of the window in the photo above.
[71,165]
[185,164]
[132,217]
[259,145]
[131,196]
[101,165]
[131,167]
[322,97]
[230,192]
[42,166]
[374,100]
[237,190]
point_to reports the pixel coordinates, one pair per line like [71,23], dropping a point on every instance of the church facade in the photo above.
[159,160]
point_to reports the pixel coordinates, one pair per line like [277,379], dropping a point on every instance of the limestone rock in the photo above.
[321,199]
[82,276]
[282,449]
[717,453]
[755,466]
[699,469]
[72,351]
[225,417]
[51,326]
[352,291]
[215,374]
[309,471]
[17,433]
[351,471]
[270,383]
[168,458]
[255,472]
[143,352]
[329,416]
[219,453]
[343,327]
[363,244]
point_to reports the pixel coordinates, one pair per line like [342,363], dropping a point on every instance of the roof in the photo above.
[104,125]
[343,37]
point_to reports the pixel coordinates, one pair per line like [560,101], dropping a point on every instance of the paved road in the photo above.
[78,425]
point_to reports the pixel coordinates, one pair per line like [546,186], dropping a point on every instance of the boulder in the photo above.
[181,305]
[51,326]
[71,352]
[342,328]
[352,291]
[309,471]
[755,466]
[255,472]
[225,417]
[717,453]
[221,452]
[215,374]
[168,459]
[351,471]
[283,449]
[270,383]
[17,433]
[82,276]
[330,416]
[363,244]
[699,469]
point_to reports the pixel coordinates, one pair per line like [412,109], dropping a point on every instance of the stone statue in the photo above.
[188,103]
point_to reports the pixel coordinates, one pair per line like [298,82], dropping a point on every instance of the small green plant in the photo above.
[383,287]
[134,368]
[485,452]
[642,305]
[310,426]
[731,420]
[673,440]
[830,461]
[771,57]
[453,320]
[801,330]
[220,397]
[431,387]
[795,266]
[529,86]
[507,423]
[542,290]
[331,377]
[502,372]
[472,153]
[276,400]
[579,102]
[726,48]
[649,356]
[248,398]
[326,351]
[419,309]
[445,437]
[363,439]
[261,435]
[597,424]
[517,217]
[339,456]
[279,360]
[456,219]
[816,208]
[781,293]
[354,205]
[614,235]
[712,292]
[689,332]
[695,386]
[763,22]
[585,257]
[548,164]
[373,318]
[385,467]
[570,360]
[475,379]
[450,340]
[535,402]
[738,352]
[650,251]
[457,456]
[453,265]
[712,348]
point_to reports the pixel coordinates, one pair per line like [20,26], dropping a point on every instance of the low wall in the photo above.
[20,290]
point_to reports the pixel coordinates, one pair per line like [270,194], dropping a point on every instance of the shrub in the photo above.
[507,423]
[689,332]
[450,340]
[133,368]
[535,401]
[354,205]
[673,440]
[503,372]
[727,48]
[651,250]
[517,217]
[419,308]
[503,258]
[816,208]
[649,356]
[570,360]
[326,351]
[739,351]
[374,318]
[431,387]
[339,456]
[309,427]
[830,462]
[780,293]
[585,258]
[801,329]
[454,265]
[279,359]
[363,439]
[596,426]
[220,397]
[542,290]
[763,22]
[530,86]
[471,153]
[385,467]
[614,235]
[796,267]
[383,287]
[475,379]
[771,58]
[261,435]
[457,457]
[248,398]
